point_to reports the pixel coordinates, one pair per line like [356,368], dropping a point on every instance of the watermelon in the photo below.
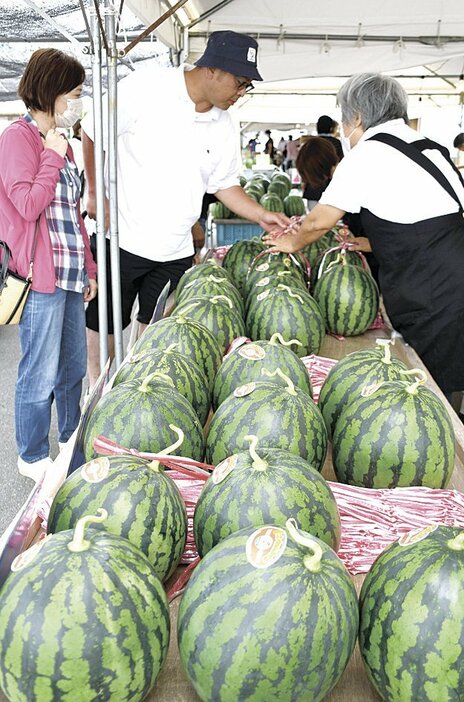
[202,270]
[250,489]
[261,282]
[280,188]
[325,259]
[411,614]
[294,206]
[289,311]
[239,257]
[186,374]
[218,314]
[246,363]
[243,181]
[395,434]
[254,193]
[280,175]
[351,374]
[348,298]
[257,187]
[220,211]
[285,418]
[143,503]
[316,248]
[261,179]
[267,263]
[140,414]
[211,285]
[269,615]
[192,339]
[83,616]
[272,202]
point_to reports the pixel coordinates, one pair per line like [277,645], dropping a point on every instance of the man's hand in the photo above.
[91,290]
[271,220]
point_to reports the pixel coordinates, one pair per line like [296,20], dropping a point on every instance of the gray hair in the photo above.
[373,97]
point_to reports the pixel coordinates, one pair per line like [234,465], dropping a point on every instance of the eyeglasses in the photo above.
[244,85]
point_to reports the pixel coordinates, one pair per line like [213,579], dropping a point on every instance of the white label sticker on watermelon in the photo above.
[97,470]
[262,296]
[416,535]
[244,390]
[223,469]
[265,546]
[369,390]
[28,556]
[252,352]
[263,282]
[262,267]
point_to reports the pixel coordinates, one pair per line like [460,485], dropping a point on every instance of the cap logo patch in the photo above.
[251,55]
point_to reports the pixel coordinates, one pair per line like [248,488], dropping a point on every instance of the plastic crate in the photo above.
[226,231]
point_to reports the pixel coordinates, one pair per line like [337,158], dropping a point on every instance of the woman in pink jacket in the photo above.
[39,187]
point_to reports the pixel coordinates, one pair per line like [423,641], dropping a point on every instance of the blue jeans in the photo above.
[52,366]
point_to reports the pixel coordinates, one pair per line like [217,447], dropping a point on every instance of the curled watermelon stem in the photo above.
[154,465]
[312,561]
[290,293]
[282,341]
[170,348]
[222,297]
[457,544]
[145,385]
[290,386]
[386,343]
[78,542]
[421,378]
[258,462]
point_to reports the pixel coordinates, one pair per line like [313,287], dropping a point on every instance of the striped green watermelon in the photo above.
[280,188]
[284,418]
[139,414]
[348,298]
[316,248]
[294,206]
[220,211]
[191,338]
[211,285]
[268,282]
[266,263]
[411,618]
[395,434]
[254,193]
[251,488]
[218,314]
[243,181]
[354,258]
[272,202]
[351,374]
[291,312]
[202,270]
[82,617]
[143,503]
[269,615]
[246,363]
[186,374]
[257,187]
[261,179]
[280,175]
[239,257]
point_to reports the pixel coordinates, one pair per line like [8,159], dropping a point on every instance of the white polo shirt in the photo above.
[388,183]
[168,157]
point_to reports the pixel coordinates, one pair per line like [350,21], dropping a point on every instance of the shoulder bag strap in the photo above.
[34,246]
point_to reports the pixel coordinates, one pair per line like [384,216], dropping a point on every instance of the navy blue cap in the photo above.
[232,52]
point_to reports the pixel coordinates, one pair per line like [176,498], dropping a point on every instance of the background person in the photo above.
[328,128]
[39,181]
[154,224]
[316,162]
[411,198]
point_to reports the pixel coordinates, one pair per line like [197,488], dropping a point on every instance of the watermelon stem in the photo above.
[154,465]
[222,297]
[290,293]
[258,462]
[78,542]
[282,341]
[457,544]
[311,562]
[386,343]
[421,379]
[290,386]
[145,386]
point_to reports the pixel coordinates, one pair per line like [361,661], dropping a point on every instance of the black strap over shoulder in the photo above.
[5,253]
[414,151]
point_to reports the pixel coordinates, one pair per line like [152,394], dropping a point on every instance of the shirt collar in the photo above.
[211,115]
[384,127]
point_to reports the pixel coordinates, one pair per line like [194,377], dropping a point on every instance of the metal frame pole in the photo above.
[99,186]
[110,29]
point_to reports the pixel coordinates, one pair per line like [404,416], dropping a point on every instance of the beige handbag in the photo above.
[13,289]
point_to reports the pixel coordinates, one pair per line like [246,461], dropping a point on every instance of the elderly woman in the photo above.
[410,198]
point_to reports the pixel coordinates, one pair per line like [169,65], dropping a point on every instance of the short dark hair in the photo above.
[49,74]
[315,161]
[458,140]
[325,124]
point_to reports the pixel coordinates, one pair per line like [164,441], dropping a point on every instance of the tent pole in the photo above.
[110,27]
[99,186]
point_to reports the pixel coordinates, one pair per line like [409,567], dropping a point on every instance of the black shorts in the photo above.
[139,276]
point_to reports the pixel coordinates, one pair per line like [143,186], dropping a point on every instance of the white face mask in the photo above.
[346,139]
[71,115]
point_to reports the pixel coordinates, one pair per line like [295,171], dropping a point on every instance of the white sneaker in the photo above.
[34,470]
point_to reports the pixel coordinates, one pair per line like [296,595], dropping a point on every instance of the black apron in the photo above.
[421,274]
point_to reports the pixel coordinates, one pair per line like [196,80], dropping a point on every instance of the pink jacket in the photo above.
[28,177]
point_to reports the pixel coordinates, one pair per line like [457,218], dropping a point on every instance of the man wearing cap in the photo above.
[176,142]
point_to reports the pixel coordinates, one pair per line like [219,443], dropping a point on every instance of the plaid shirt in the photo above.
[65,233]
